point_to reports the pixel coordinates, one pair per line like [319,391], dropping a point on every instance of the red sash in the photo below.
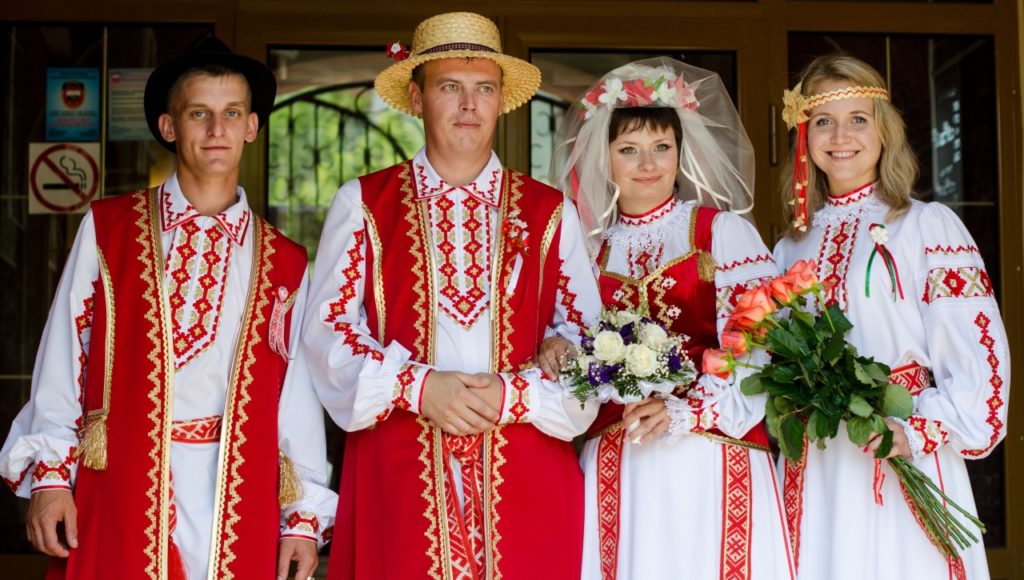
[392,494]
[124,509]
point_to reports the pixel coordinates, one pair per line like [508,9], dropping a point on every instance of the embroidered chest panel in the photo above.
[195,277]
[461,229]
[834,258]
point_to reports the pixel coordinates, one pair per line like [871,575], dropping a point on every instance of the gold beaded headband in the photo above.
[796,112]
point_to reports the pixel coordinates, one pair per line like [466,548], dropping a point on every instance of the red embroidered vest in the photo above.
[681,297]
[123,510]
[392,493]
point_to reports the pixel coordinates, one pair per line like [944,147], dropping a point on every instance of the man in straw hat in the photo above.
[167,435]
[435,281]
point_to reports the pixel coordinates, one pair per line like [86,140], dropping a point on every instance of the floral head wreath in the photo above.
[716,159]
[658,89]
[796,112]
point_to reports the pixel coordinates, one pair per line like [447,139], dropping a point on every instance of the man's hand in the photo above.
[46,510]
[645,420]
[554,355]
[300,551]
[450,403]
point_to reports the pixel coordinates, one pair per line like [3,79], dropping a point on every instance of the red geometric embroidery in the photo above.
[834,260]
[350,338]
[463,236]
[793,498]
[50,471]
[995,402]
[649,217]
[568,301]
[204,430]
[966,282]
[931,431]
[609,459]
[83,330]
[403,388]
[737,498]
[235,231]
[489,196]
[303,522]
[337,309]
[645,262]
[328,534]
[950,250]
[197,271]
[465,533]
[15,484]
[748,261]
[913,376]
[852,197]
[520,399]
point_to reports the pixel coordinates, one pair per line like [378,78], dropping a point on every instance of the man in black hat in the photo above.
[169,433]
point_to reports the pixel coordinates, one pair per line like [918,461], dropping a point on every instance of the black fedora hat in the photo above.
[209,51]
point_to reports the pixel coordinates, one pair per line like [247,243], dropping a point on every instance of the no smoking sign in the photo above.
[63,177]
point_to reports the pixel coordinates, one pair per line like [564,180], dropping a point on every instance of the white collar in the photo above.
[175,210]
[486,187]
[641,233]
[842,208]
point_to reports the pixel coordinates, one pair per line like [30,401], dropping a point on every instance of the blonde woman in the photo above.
[911,279]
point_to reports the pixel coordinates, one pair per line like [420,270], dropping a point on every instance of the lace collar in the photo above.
[643,232]
[845,207]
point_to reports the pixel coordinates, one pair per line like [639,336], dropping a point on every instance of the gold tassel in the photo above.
[93,446]
[291,488]
[706,266]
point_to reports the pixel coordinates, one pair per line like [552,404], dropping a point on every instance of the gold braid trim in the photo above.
[290,490]
[796,107]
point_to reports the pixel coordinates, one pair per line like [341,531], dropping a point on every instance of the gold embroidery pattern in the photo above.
[244,359]
[549,232]
[429,496]
[108,344]
[501,316]
[494,440]
[418,234]
[378,272]
[157,532]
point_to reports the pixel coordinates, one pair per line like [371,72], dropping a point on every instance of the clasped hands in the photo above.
[462,403]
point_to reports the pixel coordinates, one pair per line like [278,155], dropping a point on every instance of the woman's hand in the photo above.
[554,355]
[645,420]
[900,445]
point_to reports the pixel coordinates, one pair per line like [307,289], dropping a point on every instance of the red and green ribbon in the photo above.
[890,265]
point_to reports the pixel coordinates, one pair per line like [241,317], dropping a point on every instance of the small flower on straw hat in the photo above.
[457,35]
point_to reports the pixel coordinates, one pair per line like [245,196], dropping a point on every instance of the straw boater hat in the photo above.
[455,35]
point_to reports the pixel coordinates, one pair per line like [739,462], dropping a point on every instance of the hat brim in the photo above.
[262,86]
[520,79]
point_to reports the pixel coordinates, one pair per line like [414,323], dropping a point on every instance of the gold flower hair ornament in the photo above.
[794,109]
[796,112]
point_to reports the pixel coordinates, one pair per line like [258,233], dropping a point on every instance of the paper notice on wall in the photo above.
[126,116]
[72,104]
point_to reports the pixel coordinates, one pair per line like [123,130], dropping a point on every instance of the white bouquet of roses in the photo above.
[625,358]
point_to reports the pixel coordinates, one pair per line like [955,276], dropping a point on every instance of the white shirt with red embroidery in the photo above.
[357,389]
[672,493]
[207,270]
[936,308]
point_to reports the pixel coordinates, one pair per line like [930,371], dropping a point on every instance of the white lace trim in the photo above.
[914,438]
[640,238]
[835,215]
[681,419]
